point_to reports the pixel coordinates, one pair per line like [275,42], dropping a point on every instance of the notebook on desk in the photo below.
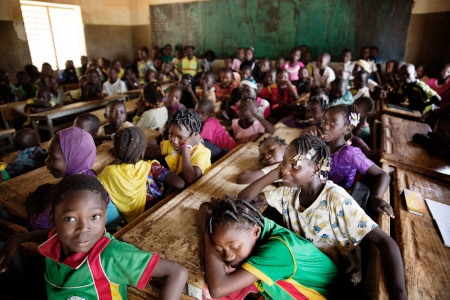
[441,214]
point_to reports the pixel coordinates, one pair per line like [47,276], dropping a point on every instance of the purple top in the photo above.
[345,163]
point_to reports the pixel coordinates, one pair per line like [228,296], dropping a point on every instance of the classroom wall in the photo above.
[428,39]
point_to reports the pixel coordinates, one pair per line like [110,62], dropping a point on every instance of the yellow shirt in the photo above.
[200,157]
[126,185]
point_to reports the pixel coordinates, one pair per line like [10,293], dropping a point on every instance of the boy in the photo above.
[89,123]
[339,93]
[304,81]
[116,114]
[114,85]
[421,97]
[365,107]
[360,88]
[40,103]
[151,112]
[84,262]
[31,155]
[189,64]
[323,75]
[208,90]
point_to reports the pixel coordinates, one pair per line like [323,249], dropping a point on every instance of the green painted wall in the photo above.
[274,27]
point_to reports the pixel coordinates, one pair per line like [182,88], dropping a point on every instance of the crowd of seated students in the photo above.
[201,116]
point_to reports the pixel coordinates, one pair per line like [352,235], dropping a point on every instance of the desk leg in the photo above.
[51,130]
[36,128]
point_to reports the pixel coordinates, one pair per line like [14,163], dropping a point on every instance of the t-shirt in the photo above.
[102,273]
[153,119]
[293,70]
[263,108]
[246,135]
[334,223]
[102,131]
[419,94]
[223,92]
[27,160]
[345,163]
[365,132]
[323,81]
[362,92]
[276,96]
[200,157]
[118,87]
[347,99]
[143,66]
[443,90]
[214,132]
[289,267]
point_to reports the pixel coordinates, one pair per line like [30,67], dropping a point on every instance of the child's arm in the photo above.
[192,94]
[358,142]
[153,150]
[174,181]
[392,263]
[175,277]
[268,127]
[381,184]
[10,248]
[249,176]
[189,172]
[314,130]
[292,90]
[254,189]
[220,284]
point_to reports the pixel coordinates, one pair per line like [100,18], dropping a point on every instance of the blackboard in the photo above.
[273,28]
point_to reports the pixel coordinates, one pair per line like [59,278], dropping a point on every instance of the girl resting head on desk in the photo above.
[324,213]
[260,253]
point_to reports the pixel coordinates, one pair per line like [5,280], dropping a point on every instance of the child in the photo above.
[437,141]
[271,151]
[442,85]
[130,79]
[281,264]
[304,81]
[166,53]
[236,66]
[339,93]
[174,94]
[133,184]
[189,64]
[421,97]
[168,75]
[280,93]
[26,89]
[208,61]
[157,63]
[337,126]
[42,102]
[84,262]
[144,63]
[31,155]
[264,67]
[294,66]
[360,88]
[212,130]
[323,75]
[92,89]
[365,107]
[420,70]
[56,94]
[178,57]
[183,151]
[324,213]
[365,55]
[89,123]
[151,112]
[249,125]
[312,116]
[249,60]
[7,89]
[114,85]
[83,68]
[248,90]
[70,151]
[226,85]
[271,77]
[186,83]
[69,74]
[346,67]
[208,89]
[279,63]
[118,65]
[116,114]
[150,76]
[307,61]
[246,73]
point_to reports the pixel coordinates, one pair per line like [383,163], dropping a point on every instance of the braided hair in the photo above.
[347,111]
[322,100]
[235,213]
[187,118]
[274,139]
[321,154]
[129,144]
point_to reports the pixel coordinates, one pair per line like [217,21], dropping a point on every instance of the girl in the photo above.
[114,85]
[312,116]
[271,151]
[442,85]
[70,151]
[174,93]
[188,99]
[250,124]
[282,92]
[249,60]
[144,63]
[281,264]
[324,213]
[184,153]
[248,90]
[151,112]
[56,94]
[337,126]
[208,61]
[236,66]
[82,260]
[133,184]
[130,79]
[92,88]
[226,85]
[293,66]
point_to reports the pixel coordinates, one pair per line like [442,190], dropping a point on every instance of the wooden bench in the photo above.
[401,151]
[7,136]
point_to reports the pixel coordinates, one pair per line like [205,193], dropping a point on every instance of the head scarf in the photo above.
[78,149]
[249,83]
[365,65]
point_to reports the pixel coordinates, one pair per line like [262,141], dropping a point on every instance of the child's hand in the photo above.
[314,130]
[204,212]
[7,254]
[382,206]
[194,139]
[252,107]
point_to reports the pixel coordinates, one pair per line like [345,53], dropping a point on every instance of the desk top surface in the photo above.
[414,114]
[172,230]
[425,257]
[284,132]
[401,151]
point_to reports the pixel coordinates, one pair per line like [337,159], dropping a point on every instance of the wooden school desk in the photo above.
[172,230]
[15,191]
[67,110]
[392,109]
[425,257]
[12,111]
[401,151]
[284,132]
